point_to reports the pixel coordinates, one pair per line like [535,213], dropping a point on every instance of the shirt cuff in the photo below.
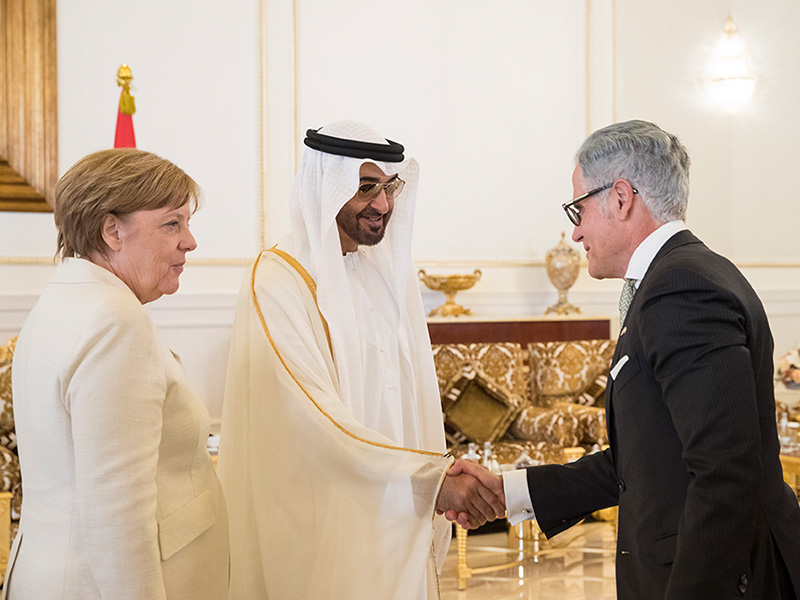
[518,499]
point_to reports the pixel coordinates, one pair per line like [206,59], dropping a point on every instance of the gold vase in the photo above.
[449,284]
[562,264]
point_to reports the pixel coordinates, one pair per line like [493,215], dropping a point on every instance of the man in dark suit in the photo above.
[693,461]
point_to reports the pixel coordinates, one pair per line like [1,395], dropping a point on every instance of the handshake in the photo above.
[471,495]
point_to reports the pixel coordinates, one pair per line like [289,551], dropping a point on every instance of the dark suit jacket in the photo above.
[693,458]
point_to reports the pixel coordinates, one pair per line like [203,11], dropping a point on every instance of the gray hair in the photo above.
[652,160]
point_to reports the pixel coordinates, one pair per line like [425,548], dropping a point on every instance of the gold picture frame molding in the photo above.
[28,105]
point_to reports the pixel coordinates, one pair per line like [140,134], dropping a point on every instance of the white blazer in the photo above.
[120,498]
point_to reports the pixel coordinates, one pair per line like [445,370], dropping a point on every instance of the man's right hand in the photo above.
[471,495]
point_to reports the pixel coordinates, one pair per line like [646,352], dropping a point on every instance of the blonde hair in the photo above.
[119,182]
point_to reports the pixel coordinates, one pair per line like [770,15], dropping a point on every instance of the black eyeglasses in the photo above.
[573,213]
[392,188]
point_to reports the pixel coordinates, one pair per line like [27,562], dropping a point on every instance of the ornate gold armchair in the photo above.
[10,479]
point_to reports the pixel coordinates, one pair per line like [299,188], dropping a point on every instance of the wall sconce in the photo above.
[732,79]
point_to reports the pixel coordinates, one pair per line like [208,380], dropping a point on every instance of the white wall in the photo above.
[491,97]
[196,84]
[468,87]
[741,202]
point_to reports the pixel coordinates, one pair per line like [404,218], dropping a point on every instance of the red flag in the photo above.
[124,136]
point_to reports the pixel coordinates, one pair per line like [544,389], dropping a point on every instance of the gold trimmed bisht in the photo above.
[320,506]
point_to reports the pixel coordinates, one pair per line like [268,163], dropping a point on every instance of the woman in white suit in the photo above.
[121,498]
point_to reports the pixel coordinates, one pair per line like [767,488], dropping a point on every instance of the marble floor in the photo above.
[577,564]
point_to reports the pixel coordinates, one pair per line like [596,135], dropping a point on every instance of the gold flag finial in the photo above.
[127,106]
[124,73]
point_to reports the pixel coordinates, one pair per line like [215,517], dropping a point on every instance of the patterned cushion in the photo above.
[6,405]
[553,426]
[9,470]
[9,440]
[592,422]
[595,394]
[448,359]
[477,408]
[502,363]
[562,371]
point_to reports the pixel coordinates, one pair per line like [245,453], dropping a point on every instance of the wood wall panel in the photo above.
[28,104]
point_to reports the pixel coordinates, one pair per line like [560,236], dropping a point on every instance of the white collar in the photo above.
[647,250]
[82,270]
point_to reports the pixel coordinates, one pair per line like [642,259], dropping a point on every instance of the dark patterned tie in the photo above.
[625,298]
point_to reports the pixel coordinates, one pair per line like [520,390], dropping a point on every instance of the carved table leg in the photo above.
[463,572]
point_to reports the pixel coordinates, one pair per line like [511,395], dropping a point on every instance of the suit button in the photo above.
[743,580]
[621,485]
[742,589]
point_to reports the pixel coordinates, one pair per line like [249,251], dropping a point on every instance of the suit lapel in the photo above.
[611,429]
[679,239]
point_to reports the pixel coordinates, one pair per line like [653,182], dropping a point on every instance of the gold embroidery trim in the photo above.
[312,287]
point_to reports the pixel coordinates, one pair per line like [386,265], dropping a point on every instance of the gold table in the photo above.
[530,532]
[5,531]
[523,540]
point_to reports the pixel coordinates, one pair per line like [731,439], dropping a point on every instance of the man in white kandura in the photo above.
[332,452]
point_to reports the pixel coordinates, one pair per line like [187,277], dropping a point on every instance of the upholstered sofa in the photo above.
[539,404]
[10,478]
